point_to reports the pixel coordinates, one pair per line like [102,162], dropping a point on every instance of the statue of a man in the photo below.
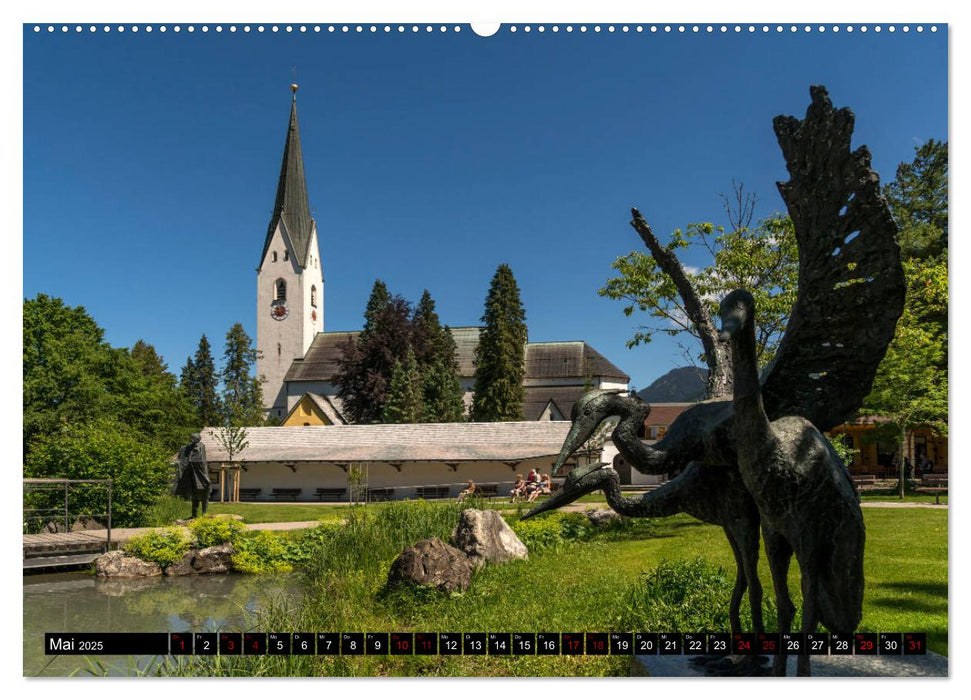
[192,479]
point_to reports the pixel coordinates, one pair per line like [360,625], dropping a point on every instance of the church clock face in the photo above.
[279,311]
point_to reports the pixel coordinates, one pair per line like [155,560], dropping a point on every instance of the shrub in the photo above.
[103,450]
[164,547]
[680,596]
[260,551]
[543,533]
[210,530]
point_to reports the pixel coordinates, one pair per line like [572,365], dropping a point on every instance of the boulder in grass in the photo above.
[120,565]
[432,563]
[486,537]
[602,516]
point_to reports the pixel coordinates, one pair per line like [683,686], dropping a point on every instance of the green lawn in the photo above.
[598,585]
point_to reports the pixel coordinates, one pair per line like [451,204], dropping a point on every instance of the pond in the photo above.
[77,602]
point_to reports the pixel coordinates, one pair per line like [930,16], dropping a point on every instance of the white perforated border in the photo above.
[511,28]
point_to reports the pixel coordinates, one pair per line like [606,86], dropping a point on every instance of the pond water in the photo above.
[75,602]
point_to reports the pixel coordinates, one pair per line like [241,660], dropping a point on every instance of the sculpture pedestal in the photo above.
[929,665]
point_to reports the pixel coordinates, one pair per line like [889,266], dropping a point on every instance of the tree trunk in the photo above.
[903,461]
[717,353]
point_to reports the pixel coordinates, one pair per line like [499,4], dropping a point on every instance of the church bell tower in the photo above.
[289,279]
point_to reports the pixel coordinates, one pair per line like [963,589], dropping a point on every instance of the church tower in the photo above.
[289,280]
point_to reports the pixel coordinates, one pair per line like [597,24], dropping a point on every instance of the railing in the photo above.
[50,513]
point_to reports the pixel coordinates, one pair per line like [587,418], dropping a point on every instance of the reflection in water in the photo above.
[83,603]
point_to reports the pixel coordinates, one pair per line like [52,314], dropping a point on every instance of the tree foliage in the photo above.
[911,384]
[405,401]
[435,352]
[376,379]
[498,392]
[366,364]
[242,394]
[199,381]
[443,392]
[72,376]
[918,198]
[104,449]
[66,366]
[761,258]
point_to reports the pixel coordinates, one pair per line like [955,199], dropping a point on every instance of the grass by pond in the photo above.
[298,512]
[594,585]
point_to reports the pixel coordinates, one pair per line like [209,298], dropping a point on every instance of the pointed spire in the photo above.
[292,204]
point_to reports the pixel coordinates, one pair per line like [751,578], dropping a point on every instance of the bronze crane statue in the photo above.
[802,488]
[851,293]
[712,494]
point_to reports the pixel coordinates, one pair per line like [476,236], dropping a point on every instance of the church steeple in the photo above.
[292,205]
[290,278]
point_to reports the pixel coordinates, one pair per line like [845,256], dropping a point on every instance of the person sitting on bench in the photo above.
[470,491]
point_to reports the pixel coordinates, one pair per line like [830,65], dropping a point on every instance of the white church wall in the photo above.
[312,277]
[279,341]
[309,476]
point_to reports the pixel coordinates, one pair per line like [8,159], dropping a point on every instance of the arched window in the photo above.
[274,256]
[286,255]
[280,291]
[313,295]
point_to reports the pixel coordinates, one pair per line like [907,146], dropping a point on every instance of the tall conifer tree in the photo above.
[242,394]
[442,388]
[405,404]
[199,382]
[435,350]
[498,392]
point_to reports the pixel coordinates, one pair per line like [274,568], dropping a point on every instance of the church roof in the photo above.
[539,397]
[544,361]
[421,442]
[568,359]
[292,206]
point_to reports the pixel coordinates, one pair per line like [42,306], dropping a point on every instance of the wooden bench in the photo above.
[249,494]
[330,494]
[864,482]
[936,490]
[428,492]
[286,494]
[380,494]
[935,484]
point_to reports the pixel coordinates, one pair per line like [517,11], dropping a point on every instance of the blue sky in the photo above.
[150,162]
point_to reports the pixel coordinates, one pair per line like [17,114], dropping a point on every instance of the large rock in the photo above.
[184,566]
[214,560]
[211,560]
[86,523]
[431,562]
[120,565]
[602,516]
[485,537]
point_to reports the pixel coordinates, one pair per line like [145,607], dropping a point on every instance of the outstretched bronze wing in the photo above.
[851,283]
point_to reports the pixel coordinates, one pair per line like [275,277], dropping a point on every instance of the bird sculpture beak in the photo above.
[578,483]
[580,432]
